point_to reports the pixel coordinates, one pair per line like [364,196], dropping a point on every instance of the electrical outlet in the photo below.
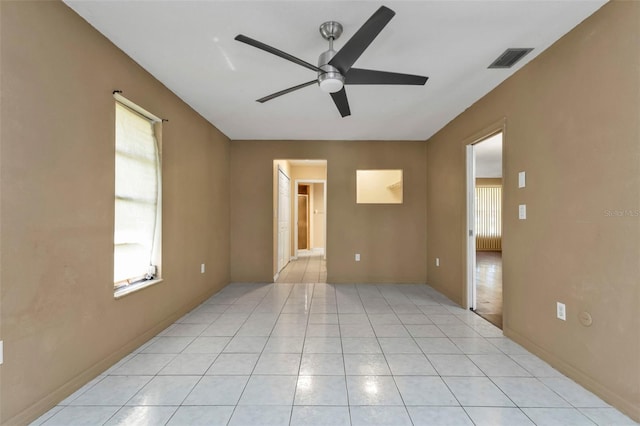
[561,311]
[202,268]
[437,261]
[357,257]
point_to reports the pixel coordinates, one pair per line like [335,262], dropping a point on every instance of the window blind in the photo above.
[136,195]
[489,218]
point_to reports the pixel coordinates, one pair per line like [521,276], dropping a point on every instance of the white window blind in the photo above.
[137,189]
[489,218]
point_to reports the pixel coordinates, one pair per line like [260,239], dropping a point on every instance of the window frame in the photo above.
[134,284]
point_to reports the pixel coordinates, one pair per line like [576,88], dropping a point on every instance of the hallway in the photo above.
[309,267]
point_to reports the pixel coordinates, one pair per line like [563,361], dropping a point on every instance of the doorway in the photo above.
[300,221]
[284,219]
[303,218]
[484,219]
[310,218]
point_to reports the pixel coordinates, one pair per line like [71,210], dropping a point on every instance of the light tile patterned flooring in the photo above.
[309,267]
[319,354]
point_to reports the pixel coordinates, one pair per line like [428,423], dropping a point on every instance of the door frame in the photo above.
[278,268]
[469,261]
[470,227]
[295,215]
[307,199]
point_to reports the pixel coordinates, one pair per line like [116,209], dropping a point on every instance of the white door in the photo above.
[471,225]
[284,219]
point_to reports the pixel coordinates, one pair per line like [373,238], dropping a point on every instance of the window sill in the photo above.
[133,288]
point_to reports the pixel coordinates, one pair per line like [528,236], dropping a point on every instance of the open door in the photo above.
[303,222]
[484,227]
[471,232]
[284,219]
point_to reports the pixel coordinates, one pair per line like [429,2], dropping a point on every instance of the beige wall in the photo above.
[59,321]
[571,120]
[390,238]
[309,172]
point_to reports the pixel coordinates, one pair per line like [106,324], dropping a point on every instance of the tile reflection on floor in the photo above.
[322,354]
[310,268]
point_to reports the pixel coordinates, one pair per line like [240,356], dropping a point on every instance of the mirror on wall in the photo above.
[379,186]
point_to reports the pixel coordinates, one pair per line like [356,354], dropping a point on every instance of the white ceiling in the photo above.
[189,46]
[488,155]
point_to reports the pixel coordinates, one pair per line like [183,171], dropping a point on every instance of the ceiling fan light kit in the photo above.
[330,80]
[334,69]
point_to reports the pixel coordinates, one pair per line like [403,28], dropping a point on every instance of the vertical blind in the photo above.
[489,218]
[136,195]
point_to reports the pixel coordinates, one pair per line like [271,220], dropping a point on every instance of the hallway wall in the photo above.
[317,215]
[60,323]
[572,124]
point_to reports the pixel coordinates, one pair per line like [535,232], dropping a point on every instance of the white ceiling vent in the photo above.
[510,57]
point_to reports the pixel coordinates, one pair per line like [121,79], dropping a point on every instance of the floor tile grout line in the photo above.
[221,351]
[304,338]
[344,365]
[384,355]
[157,373]
[259,355]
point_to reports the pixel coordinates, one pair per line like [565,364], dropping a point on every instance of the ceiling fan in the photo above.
[335,68]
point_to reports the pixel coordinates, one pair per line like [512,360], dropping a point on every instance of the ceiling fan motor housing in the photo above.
[330,80]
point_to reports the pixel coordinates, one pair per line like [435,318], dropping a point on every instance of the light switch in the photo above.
[522,211]
[522,180]
[357,257]
[561,311]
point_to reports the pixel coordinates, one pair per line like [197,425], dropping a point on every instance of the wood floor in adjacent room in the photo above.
[489,286]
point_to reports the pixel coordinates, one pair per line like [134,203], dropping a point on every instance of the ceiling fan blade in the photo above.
[274,51]
[285,91]
[351,51]
[362,76]
[340,99]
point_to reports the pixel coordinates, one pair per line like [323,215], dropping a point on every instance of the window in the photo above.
[137,198]
[489,217]
[379,186]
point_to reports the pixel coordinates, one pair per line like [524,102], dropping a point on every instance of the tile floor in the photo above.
[309,267]
[319,354]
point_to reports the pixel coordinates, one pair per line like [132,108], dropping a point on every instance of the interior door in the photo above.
[471,225]
[303,222]
[284,219]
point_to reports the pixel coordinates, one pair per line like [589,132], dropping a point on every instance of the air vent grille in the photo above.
[510,57]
